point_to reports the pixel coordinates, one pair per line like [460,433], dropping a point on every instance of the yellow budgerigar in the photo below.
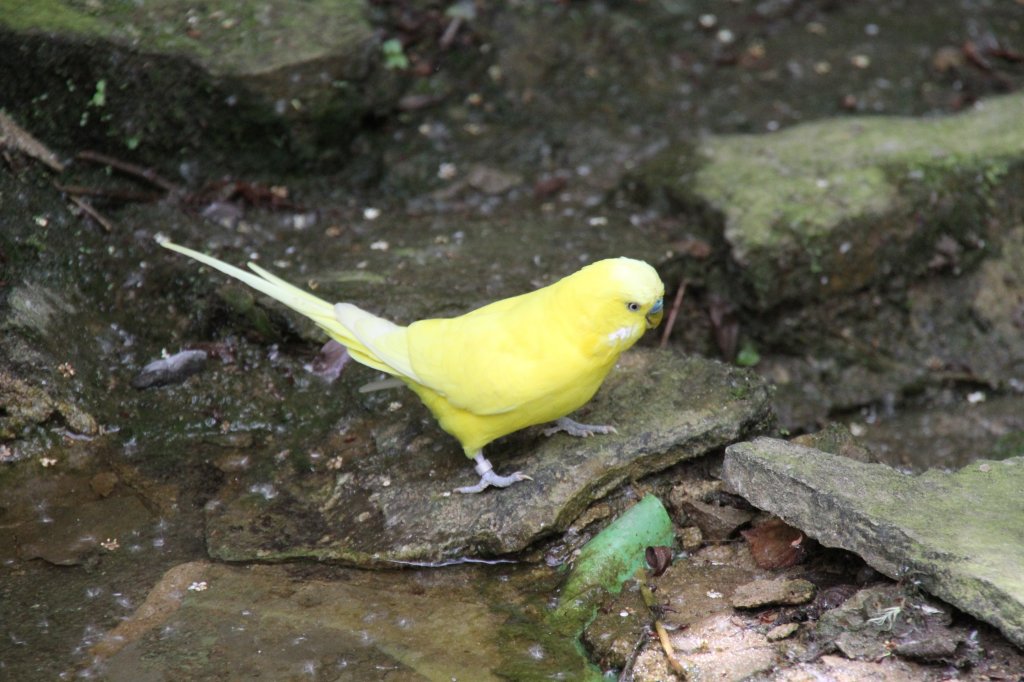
[520,361]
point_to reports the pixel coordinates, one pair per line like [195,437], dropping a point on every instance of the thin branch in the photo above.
[627,670]
[147,174]
[670,653]
[92,213]
[13,136]
[672,313]
[120,195]
[450,32]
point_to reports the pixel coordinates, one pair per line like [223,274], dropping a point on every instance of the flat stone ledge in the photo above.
[960,534]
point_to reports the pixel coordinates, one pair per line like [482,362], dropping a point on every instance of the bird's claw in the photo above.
[489,478]
[574,428]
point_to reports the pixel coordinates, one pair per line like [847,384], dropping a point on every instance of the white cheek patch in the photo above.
[621,335]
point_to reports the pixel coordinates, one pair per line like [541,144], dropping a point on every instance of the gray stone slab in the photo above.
[960,534]
[394,502]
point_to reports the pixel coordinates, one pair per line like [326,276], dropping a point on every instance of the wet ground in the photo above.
[521,175]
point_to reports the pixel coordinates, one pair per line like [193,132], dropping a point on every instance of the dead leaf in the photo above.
[776,545]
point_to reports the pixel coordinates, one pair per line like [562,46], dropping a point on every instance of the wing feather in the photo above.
[496,359]
[387,340]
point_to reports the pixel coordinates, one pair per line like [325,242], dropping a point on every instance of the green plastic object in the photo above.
[613,556]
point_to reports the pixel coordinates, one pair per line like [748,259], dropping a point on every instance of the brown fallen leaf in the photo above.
[548,185]
[776,545]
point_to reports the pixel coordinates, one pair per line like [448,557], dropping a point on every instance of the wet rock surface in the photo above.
[394,504]
[957,534]
[359,627]
[760,593]
[913,353]
[747,654]
[520,141]
[956,429]
[26,405]
[888,233]
[882,617]
[70,535]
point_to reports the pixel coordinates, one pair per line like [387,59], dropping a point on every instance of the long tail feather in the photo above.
[302,302]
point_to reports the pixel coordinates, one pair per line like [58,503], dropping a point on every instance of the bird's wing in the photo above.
[494,360]
[387,340]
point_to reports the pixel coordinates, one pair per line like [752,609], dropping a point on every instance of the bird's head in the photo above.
[620,298]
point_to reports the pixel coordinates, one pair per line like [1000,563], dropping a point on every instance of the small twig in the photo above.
[418,101]
[666,644]
[79,190]
[13,136]
[627,670]
[974,56]
[670,653]
[92,213]
[147,174]
[1006,54]
[672,313]
[448,37]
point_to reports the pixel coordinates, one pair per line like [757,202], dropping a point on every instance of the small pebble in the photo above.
[781,631]
[103,483]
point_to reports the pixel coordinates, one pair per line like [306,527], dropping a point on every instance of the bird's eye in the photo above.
[633,307]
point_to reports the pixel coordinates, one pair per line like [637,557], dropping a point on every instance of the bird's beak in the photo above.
[655,313]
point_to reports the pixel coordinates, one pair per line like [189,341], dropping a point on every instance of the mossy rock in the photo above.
[266,85]
[834,206]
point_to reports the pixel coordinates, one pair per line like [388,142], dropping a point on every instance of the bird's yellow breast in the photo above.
[546,392]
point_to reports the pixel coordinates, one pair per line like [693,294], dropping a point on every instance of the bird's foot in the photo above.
[492,479]
[488,478]
[574,428]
